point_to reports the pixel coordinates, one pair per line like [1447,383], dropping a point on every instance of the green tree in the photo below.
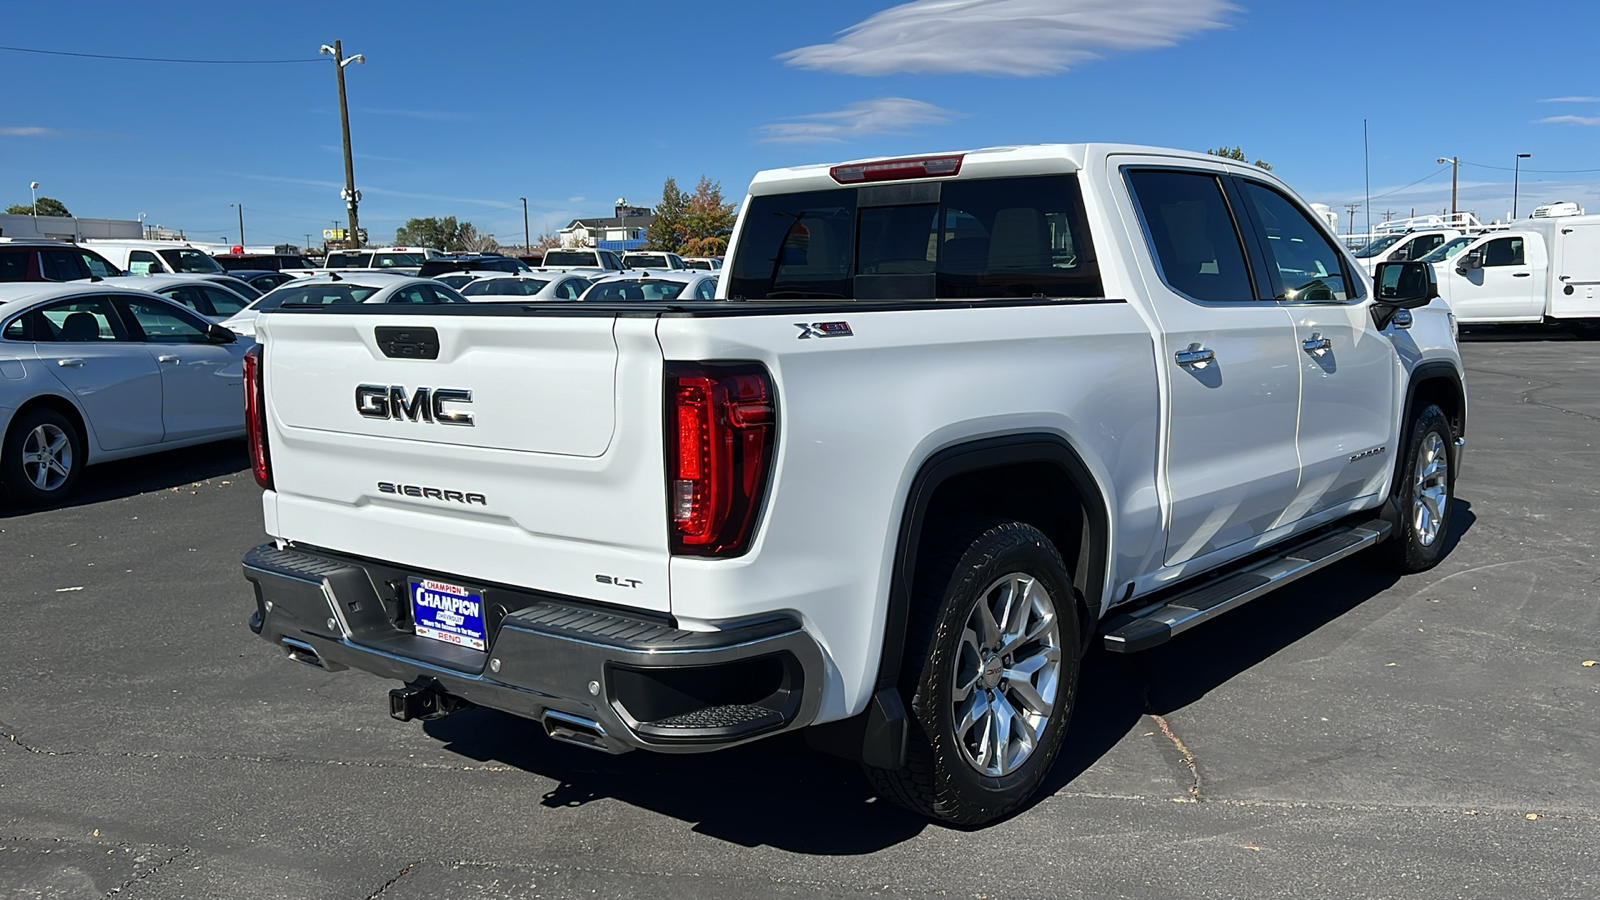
[440,234]
[708,221]
[665,231]
[48,206]
[1238,154]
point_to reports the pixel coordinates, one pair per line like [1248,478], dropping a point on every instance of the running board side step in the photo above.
[1155,624]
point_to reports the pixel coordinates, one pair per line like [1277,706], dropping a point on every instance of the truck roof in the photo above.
[987,162]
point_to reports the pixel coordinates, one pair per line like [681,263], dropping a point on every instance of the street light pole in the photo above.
[1455,166]
[1516,178]
[34,187]
[527,238]
[351,197]
[240,207]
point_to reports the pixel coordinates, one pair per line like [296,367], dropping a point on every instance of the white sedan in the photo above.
[654,284]
[216,301]
[344,287]
[91,372]
[502,288]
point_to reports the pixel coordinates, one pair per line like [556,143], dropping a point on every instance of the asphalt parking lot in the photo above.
[1351,735]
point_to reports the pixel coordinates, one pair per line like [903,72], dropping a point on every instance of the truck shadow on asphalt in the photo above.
[144,474]
[1507,333]
[780,793]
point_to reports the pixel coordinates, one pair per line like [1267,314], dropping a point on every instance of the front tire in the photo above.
[42,457]
[992,656]
[1424,492]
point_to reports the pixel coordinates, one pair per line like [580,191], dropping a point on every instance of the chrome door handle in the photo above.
[168,359]
[70,363]
[1196,357]
[1317,344]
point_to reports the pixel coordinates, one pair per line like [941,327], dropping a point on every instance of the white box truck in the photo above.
[1544,269]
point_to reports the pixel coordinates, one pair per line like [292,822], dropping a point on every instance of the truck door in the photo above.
[1347,366]
[1231,365]
[1501,286]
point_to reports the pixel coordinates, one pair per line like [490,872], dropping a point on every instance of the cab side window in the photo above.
[1424,245]
[143,262]
[1506,251]
[1309,266]
[1192,234]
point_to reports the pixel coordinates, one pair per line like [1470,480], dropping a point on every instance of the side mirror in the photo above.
[1401,285]
[220,334]
[1472,259]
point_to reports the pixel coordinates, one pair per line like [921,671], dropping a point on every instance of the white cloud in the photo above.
[27,131]
[1571,100]
[1006,37]
[888,115]
[1573,120]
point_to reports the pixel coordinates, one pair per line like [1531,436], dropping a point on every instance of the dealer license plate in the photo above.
[447,612]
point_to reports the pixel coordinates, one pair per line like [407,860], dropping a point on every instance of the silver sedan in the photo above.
[92,372]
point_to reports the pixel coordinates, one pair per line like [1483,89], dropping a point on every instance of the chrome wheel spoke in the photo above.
[1007,666]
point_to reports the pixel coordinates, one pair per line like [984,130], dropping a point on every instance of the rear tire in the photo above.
[1424,492]
[42,457]
[1588,329]
[991,666]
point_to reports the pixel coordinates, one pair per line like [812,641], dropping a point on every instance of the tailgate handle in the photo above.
[407,343]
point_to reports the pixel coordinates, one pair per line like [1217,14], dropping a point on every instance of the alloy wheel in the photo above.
[1430,488]
[1007,674]
[47,457]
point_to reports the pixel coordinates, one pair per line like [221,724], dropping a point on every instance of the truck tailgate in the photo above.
[528,452]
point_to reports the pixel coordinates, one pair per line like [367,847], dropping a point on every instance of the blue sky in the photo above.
[575,104]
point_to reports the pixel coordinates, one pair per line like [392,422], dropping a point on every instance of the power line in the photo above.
[157,59]
[1397,190]
[1540,171]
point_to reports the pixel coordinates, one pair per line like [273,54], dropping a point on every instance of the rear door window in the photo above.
[1192,234]
[223,302]
[14,264]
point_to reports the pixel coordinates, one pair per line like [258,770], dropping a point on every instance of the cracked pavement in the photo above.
[1349,736]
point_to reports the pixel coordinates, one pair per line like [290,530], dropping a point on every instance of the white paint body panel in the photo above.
[857,417]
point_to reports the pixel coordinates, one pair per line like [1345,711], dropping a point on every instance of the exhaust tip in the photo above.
[300,651]
[572,729]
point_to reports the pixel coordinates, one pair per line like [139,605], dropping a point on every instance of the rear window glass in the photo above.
[316,295]
[521,287]
[391,260]
[570,258]
[646,261]
[636,290]
[348,260]
[992,238]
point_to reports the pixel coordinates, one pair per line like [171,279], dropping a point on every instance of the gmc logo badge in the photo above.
[378,401]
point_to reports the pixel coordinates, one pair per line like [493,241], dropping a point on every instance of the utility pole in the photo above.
[240,207]
[351,197]
[527,238]
[1351,209]
[1516,178]
[1455,167]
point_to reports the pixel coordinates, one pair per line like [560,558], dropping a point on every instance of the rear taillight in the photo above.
[721,429]
[255,418]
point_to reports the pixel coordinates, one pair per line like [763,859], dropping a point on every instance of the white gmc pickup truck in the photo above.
[952,419]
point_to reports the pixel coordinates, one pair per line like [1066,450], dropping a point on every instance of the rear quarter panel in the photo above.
[859,415]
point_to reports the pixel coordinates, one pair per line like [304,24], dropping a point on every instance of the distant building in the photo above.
[623,231]
[63,228]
